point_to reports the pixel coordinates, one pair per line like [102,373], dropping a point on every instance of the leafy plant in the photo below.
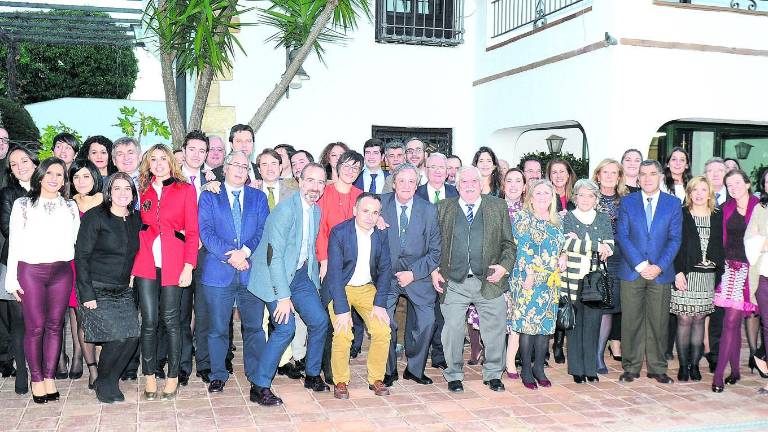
[579,165]
[137,124]
[46,139]
[17,121]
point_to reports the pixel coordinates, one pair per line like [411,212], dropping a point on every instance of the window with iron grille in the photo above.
[434,139]
[425,22]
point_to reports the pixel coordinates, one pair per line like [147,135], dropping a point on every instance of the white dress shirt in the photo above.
[654,203]
[379,180]
[197,183]
[306,214]
[431,193]
[275,190]
[157,250]
[241,198]
[362,274]
[720,196]
[399,209]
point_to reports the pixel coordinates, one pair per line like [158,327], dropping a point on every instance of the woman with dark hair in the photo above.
[168,245]
[21,165]
[609,176]
[41,243]
[677,172]
[562,176]
[513,192]
[65,147]
[106,247]
[85,189]
[734,293]
[756,248]
[329,157]
[698,266]
[486,162]
[98,149]
[630,163]
[731,164]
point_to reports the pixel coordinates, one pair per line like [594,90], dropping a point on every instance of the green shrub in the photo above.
[17,121]
[579,165]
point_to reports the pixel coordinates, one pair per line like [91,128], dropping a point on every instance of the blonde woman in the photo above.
[168,244]
[539,238]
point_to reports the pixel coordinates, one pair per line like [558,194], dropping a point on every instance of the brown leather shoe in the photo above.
[340,391]
[379,389]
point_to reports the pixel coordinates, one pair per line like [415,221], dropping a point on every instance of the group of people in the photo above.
[152,252]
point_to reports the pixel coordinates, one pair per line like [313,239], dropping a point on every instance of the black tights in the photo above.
[690,339]
[538,346]
[114,357]
[730,345]
[159,303]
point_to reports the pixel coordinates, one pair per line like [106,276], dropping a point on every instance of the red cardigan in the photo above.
[174,219]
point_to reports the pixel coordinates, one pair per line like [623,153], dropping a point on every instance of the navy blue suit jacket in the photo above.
[342,259]
[659,246]
[217,232]
[379,181]
[450,192]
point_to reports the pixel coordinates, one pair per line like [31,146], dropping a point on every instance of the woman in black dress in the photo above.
[106,246]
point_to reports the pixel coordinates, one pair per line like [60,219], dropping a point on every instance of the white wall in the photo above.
[362,84]
[622,94]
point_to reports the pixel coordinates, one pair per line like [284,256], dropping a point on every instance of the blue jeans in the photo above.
[220,302]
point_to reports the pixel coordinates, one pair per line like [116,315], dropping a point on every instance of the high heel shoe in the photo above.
[52,397]
[732,379]
[530,385]
[717,388]
[91,379]
[65,373]
[614,357]
[170,395]
[695,373]
[753,362]
[40,399]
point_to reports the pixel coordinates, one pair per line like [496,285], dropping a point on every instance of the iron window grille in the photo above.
[423,22]
[435,139]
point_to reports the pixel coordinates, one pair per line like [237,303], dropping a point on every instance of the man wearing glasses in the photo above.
[416,155]
[531,168]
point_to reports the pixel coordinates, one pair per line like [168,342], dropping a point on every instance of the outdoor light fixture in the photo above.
[742,150]
[301,74]
[555,144]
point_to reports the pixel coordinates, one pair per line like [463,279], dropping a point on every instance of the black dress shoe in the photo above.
[7,369]
[629,376]
[316,384]
[440,365]
[290,371]
[300,365]
[390,379]
[578,379]
[421,380]
[129,375]
[264,396]
[204,375]
[684,374]
[183,378]
[495,385]
[455,386]
[216,386]
[593,379]
[354,352]
[695,373]
[228,365]
[102,394]
[661,378]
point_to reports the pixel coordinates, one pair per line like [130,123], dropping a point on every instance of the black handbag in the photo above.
[566,314]
[595,289]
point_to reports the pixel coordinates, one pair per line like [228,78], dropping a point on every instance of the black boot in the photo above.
[557,347]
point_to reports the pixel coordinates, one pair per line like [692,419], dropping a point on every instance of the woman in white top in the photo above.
[677,172]
[756,248]
[42,234]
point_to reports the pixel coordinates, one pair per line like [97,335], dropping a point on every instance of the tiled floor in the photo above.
[608,405]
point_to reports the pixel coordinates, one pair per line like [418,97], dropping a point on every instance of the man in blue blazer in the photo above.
[414,247]
[231,225]
[372,177]
[649,235]
[358,277]
[436,190]
[285,277]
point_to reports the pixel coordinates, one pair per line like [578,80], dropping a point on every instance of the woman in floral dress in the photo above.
[535,278]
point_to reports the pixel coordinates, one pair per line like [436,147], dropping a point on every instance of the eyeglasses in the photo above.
[414,151]
[436,167]
[350,167]
[238,166]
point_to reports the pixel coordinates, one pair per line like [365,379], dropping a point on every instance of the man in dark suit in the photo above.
[477,254]
[714,171]
[372,177]
[359,277]
[195,148]
[435,191]
[414,245]
[241,138]
[648,233]
[231,224]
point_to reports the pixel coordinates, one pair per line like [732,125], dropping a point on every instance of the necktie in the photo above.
[372,187]
[403,224]
[135,179]
[192,180]
[717,198]
[437,196]
[237,214]
[470,214]
[271,197]
[649,213]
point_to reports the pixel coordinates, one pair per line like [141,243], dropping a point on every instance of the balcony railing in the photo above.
[425,22]
[753,5]
[510,15]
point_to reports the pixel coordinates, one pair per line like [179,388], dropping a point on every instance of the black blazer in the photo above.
[8,195]
[689,253]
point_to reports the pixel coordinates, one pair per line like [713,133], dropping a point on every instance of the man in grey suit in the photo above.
[414,244]
[477,254]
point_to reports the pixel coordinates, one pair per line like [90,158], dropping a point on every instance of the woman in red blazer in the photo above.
[168,243]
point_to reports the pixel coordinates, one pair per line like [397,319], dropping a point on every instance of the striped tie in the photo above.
[470,214]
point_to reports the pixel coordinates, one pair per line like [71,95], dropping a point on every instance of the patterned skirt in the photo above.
[115,316]
[697,299]
[733,291]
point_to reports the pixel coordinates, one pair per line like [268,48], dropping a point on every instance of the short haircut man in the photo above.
[715,171]
[453,164]
[531,167]
[299,160]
